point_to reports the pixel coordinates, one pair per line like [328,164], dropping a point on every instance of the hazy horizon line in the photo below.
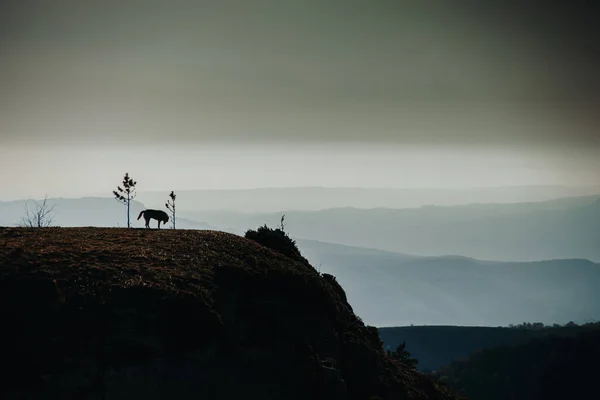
[104,194]
[135,199]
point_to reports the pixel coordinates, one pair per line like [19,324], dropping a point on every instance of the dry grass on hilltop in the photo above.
[87,310]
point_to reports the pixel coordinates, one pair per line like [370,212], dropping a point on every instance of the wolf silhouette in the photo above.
[158,215]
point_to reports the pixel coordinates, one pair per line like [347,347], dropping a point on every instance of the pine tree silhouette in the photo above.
[126,193]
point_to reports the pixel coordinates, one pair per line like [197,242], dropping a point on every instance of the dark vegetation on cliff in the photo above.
[547,368]
[276,239]
[128,313]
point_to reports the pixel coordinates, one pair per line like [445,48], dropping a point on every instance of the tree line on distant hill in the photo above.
[540,325]
[547,367]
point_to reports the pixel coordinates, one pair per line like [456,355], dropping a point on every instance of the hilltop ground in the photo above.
[132,313]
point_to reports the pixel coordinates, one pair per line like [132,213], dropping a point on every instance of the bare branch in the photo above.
[41,217]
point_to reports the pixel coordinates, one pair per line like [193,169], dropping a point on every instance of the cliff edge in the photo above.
[127,313]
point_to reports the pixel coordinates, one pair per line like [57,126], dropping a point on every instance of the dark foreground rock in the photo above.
[91,313]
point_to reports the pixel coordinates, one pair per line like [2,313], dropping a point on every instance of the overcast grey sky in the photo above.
[336,93]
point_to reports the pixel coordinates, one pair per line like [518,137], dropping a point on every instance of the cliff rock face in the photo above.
[94,313]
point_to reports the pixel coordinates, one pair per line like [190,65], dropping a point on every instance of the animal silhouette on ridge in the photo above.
[158,215]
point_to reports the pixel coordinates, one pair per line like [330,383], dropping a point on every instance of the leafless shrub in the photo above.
[41,216]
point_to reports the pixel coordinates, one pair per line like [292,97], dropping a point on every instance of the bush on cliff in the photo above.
[275,239]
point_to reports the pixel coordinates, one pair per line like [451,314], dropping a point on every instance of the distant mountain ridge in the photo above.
[556,229]
[319,198]
[389,289]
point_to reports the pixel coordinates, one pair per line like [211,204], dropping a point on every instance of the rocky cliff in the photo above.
[127,313]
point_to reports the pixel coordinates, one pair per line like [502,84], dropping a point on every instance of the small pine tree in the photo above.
[170,204]
[282,223]
[125,194]
[402,355]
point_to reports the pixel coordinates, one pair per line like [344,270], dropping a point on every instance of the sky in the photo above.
[265,93]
